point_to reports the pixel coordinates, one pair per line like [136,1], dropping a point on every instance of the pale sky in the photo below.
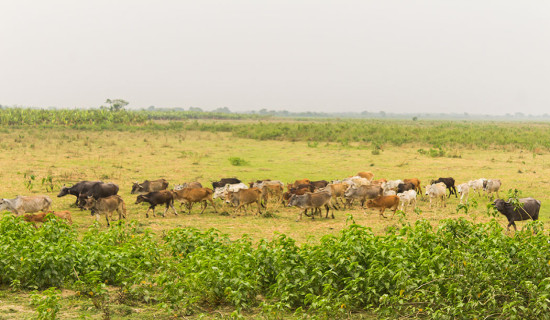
[490,57]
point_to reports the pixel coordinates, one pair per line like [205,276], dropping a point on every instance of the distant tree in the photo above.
[195,109]
[222,110]
[151,108]
[115,104]
[415,118]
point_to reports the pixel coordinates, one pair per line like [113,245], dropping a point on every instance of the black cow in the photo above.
[449,183]
[402,187]
[530,210]
[98,190]
[224,181]
[77,189]
[156,198]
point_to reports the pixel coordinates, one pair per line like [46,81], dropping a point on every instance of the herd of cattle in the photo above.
[102,198]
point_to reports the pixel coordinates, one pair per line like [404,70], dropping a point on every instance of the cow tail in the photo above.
[123,205]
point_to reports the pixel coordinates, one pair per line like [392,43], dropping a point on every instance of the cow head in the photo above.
[63,192]
[350,191]
[140,199]
[499,204]
[136,188]
[3,204]
[292,201]
[89,202]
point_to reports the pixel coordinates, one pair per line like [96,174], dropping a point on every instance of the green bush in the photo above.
[236,161]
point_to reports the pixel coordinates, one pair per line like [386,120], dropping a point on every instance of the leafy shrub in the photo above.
[236,161]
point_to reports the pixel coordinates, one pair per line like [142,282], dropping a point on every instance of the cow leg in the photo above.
[394,210]
[213,206]
[173,208]
[107,218]
[259,210]
[203,205]
[382,212]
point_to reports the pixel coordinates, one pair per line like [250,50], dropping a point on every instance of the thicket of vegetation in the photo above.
[458,270]
[367,133]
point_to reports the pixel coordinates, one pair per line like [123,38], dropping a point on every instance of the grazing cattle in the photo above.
[383,203]
[492,186]
[106,206]
[405,186]
[477,185]
[42,216]
[149,186]
[194,184]
[464,191]
[530,210]
[311,201]
[367,175]
[224,181]
[156,198]
[194,195]
[437,191]
[245,197]
[26,204]
[77,189]
[222,192]
[449,184]
[407,198]
[362,193]
[99,190]
[416,184]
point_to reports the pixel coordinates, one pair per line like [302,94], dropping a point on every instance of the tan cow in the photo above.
[244,197]
[194,195]
[366,174]
[107,206]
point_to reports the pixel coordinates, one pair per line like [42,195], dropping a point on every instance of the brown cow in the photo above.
[383,203]
[42,216]
[366,174]
[416,184]
[297,183]
[156,198]
[244,197]
[107,206]
[194,195]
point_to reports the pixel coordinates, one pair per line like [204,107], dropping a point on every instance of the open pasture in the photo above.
[69,155]
[129,272]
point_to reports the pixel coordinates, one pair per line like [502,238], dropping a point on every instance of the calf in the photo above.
[106,206]
[26,204]
[416,184]
[43,216]
[449,183]
[383,203]
[407,199]
[311,201]
[149,186]
[437,191]
[463,190]
[194,195]
[362,193]
[156,198]
[81,187]
[529,210]
[224,181]
[244,197]
[337,191]
[492,186]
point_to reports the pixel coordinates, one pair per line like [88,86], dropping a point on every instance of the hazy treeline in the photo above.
[368,133]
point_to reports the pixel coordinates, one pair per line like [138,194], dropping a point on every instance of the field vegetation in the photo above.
[441,263]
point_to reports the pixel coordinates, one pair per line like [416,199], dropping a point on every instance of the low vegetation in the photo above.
[458,270]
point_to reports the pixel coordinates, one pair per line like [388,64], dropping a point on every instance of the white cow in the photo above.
[437,191]
[492,186]
[391,185]
[222,191]
[407,198]
[463,190]
[26,204]
[477,185]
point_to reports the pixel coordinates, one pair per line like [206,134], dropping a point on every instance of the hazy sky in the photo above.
[397,56]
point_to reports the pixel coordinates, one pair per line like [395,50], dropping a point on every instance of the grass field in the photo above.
[70,155]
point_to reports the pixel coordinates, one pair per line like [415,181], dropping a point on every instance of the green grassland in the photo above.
[200,151]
